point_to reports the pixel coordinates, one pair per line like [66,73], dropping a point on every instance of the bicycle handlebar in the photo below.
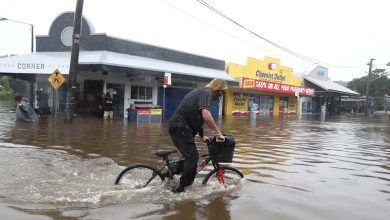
[213,138]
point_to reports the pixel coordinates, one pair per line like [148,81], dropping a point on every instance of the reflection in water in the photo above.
[60,170]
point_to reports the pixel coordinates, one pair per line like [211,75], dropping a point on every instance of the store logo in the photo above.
[272,66]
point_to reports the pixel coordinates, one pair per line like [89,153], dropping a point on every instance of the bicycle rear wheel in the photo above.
[139,176]
[232,176]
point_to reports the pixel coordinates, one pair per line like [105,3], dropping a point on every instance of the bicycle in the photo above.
[142,175]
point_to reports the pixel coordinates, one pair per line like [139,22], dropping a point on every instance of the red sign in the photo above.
[167,79]
[275,87]
[143,111]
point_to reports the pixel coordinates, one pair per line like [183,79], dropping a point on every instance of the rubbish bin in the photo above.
[253,110]
[253,114]
[323,110]
[144,115]
[139,115]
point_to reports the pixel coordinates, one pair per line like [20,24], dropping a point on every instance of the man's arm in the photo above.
[208,119]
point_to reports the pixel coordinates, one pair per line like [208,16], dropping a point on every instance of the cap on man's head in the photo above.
[217,84]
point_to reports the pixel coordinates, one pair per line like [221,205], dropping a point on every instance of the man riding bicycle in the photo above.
[188,120]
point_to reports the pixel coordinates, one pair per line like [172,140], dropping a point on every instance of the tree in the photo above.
[5,89]
[358,84]
[379,84]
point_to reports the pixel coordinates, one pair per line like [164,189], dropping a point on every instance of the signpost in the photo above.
[167,81]
[56,79]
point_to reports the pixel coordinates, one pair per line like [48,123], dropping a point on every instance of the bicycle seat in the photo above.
[164,153]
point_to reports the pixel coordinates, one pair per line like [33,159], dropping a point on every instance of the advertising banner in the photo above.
[275,87]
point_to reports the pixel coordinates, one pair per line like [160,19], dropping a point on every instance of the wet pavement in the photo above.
[306,168]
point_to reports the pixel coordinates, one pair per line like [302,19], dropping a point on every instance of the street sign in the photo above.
[167,79]
[56,79]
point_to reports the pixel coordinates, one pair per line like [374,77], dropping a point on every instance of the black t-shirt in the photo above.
[108,104]
[189,112]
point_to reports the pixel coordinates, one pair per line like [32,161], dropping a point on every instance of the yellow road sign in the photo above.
[56,79]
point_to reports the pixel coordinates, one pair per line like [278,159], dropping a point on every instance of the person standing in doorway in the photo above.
[43,102]
[188,120]
[108,107]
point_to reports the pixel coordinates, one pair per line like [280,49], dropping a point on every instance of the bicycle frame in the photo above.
[206,161]
[174,167]
[220,177]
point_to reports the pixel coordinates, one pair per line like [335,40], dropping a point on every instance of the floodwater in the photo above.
[307,168]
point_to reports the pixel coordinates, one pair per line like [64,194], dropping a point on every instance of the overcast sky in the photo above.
[341,34]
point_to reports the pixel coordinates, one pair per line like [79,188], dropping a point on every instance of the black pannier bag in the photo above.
[176,166]
[223,151]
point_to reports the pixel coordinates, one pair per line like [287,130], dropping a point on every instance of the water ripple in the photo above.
[341,163]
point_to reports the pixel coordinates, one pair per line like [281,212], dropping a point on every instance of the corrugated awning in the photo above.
[330,86]
[47,62]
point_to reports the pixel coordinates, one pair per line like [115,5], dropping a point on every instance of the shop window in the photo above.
[141,92]
[148,93]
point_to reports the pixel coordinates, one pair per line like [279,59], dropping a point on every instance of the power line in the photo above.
[257,35]
[215,27]
[227,33]
[308,59]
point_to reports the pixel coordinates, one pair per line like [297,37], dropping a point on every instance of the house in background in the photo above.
[327,93]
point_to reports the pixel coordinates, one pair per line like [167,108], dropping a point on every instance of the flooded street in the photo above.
[308,168]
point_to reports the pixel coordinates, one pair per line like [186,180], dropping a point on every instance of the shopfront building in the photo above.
[266,88]
[328,97]
[131,72]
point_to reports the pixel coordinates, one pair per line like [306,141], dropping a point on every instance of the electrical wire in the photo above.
[257,35]
[214,27]
[308,59]
[227,33]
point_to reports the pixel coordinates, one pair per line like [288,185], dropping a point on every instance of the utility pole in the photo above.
[74,62]
[33,79]
[368,87]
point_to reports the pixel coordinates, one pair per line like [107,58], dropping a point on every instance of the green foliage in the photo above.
[5,89]
[379,84]
[19,87]
[358,85]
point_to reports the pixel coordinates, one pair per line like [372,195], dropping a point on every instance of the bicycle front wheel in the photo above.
[139,176]
[231,175]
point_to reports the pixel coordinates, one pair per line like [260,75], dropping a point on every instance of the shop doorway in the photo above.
[283,105]
[266,105]
[117,92]
[92,97]
[174,96]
